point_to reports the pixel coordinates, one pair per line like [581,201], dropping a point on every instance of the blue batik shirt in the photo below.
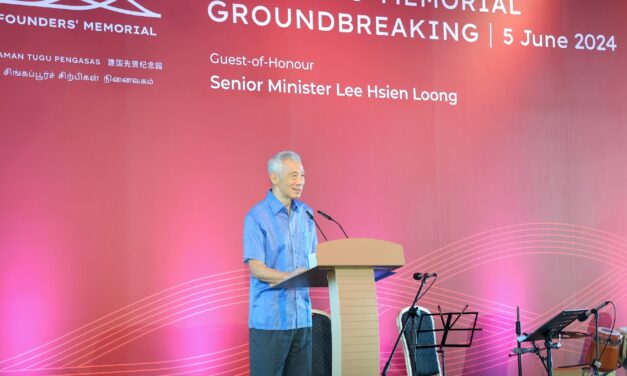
[282,242]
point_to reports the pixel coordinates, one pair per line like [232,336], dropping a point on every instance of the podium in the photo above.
[349,268]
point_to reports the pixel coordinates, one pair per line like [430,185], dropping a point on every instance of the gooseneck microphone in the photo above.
[325,215]
[584,316]
[316,223]
[419,276]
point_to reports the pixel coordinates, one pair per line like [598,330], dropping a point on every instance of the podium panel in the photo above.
[354,322]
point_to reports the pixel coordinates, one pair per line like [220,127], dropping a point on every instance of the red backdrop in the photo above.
[122,204]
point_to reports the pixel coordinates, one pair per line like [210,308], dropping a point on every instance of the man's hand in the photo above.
[272,276]
[298,271]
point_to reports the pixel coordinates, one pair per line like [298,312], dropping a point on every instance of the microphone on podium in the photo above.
[325,215]
[316,223]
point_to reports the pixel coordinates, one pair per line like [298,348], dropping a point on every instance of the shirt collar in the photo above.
[276,206]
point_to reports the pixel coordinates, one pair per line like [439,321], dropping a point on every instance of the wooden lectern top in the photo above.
[380,255]
[360,252]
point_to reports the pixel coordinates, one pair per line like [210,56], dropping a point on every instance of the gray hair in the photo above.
[275,164]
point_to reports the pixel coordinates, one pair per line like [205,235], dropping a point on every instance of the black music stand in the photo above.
[448,321]
[550,330]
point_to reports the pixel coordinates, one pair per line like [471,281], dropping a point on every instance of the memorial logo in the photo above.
[128,7]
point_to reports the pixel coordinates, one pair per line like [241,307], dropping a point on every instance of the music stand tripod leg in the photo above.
[548,344]
[443,357]
[445,331]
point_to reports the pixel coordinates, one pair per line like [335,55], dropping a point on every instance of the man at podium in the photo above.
[279,235]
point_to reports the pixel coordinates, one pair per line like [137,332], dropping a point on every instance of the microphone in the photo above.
[518,326]
[584,316]
[325,215]
[419,276]
[316,223]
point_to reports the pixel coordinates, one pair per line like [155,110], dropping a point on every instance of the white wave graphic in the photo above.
[88,5]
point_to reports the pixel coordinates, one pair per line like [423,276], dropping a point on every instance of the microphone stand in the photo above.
[596,364]
[341,228]
[411,313]
[325,215]
[519,346]
[316,223]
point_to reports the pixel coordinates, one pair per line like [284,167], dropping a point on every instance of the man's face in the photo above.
[290,181]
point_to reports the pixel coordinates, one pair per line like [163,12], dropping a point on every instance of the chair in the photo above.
[321,343]
[419,362]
